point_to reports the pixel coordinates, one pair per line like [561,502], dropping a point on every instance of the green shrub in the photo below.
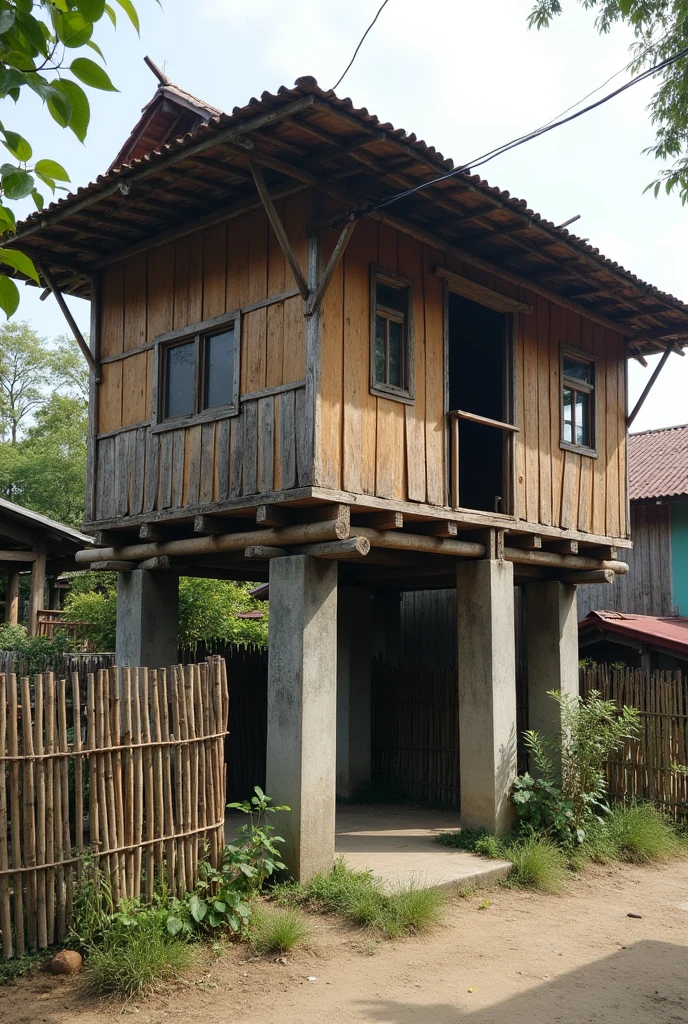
[537,864]
[474,840]
[10,970]
[363,899]
[640,833]
[277,931]
[132,961]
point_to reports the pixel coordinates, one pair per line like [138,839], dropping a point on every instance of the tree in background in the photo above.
[661,30]
[42,46]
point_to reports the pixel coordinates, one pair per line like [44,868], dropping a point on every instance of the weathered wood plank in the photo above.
[435,430]
[222,466]
[178,445]
[137,456]
[288,439]
[266,452]
[192,465]
[410,265]
[151,488]
[207,467]
[304,440]
[250,444]
[165,471]
[236,452]
[214,271]
[548,406]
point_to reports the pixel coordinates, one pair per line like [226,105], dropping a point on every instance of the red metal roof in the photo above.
[649,629]
[658,463]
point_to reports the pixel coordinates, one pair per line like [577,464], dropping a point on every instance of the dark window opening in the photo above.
[577,401]
[179,393]
[479,361]
[198,371]
[391,341]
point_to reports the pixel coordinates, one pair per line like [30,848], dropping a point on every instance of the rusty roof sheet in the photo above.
[275,119]
[669,633]
[658,463]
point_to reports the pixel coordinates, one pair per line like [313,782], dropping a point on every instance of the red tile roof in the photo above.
[668,633]
[658,463]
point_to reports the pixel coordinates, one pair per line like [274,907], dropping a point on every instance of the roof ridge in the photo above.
[659,430]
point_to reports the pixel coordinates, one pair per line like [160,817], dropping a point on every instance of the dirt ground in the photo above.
[542,959]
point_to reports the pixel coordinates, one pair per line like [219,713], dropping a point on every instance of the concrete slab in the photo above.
[397,844]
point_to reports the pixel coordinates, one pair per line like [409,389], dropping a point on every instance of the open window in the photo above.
[391,336]
[479,397]
[577,401]
[197,372]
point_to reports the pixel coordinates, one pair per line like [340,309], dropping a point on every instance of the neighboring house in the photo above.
[641,641]
[32,543]
[657,579]
[303,374]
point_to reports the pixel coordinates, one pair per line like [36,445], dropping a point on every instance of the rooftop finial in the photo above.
[160,75]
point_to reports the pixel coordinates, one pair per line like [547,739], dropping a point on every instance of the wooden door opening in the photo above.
[479,406]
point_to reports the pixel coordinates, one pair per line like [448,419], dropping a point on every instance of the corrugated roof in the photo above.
[668,633]
[658,463]
[298,134]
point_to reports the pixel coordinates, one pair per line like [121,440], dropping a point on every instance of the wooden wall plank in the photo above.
[192,465]
[266,444]
[410,265]
[520,448]
[332,375]
[222,461]
[112,343]
[288,439]
[165,471]
[237,264]
[134,388]
[621,427]
[250,447]
[178,445]
[599,498]
[276,284]
[215,271]
[160,307]
[614,435]
[151,485]
[254,326]
[548,404]
[557,455]
[530,427]
[138,468]
[236,451]
[207,466]
[435,419]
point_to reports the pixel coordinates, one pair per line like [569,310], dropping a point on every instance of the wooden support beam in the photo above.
[554,560]
[67,313]
[332,265]
[648,387]
[528,541]
[156,563]
[447,528]
[18,556]
[113,565]
[380,520]
[152,532]
[354,547]
[591,576]
[110,538]
[37,592]
[271,515]
[325,513]
[12,599]
[210,525]
[264,552]
[564,547]
[278,228]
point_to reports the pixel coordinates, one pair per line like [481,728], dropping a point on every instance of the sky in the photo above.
[463,76]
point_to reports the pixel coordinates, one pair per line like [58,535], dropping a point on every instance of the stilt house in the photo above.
[312,364]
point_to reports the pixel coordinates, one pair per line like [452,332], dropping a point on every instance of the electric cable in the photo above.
[360,44]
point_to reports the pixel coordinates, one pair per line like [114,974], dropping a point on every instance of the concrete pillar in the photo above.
[354,639]
[487,693]
[12,599]
[302,709]
[551,651]
[147,618]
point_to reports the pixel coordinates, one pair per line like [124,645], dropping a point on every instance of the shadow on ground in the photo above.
[647,983]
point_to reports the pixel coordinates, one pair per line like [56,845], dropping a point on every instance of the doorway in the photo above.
[479,406]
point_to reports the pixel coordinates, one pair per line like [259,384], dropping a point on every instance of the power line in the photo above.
[499,150]
[362,40]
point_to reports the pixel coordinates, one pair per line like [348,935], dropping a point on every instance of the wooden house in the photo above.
[321,353]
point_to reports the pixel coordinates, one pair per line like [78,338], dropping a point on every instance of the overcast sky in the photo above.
[464,76]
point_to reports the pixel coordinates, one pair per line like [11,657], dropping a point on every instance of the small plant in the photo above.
[570,789]
[640,833]
[485,905]
[10,970]
[255,857]
[475,840]
[134,960]
[537,864]
[277,931]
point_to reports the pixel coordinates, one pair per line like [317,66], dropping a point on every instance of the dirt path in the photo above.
[525,958]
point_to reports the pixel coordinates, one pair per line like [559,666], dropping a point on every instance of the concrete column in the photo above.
[147,618]
[487,693]
[354,638]
[302,709]
[12,599]
[551,651]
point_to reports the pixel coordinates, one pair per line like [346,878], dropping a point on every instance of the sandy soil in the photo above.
[542,959]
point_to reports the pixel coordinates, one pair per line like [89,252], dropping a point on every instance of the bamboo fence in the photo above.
[133,776]
[644,769]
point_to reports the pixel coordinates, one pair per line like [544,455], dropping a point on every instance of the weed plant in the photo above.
[137,960]
[277,931]
[537,862]
[640,834]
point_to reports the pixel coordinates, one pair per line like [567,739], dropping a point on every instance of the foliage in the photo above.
[100,611]
[254,857]
[661,30]
[538,863]
[42,47]
[136,954]
[10,970]
[363,899]
[570,788]
[640,833]
[35,653]
[208,610]
[277,931]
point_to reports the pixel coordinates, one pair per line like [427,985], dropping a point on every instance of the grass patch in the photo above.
[363,899]
[135,961]
[10,970]
[537,864]
[641,834]
[277,931]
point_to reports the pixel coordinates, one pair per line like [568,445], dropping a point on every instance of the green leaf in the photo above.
[33,31]
[220,907]
[9,295]
[21,262]
[72,28]
[17,145]
[6,21]
[46,180]
[7,220]
[129,9]
[38,199]
[18,184]
[174,925]
[10,78]
[197,908]
[80,111]
[88,72]
[92,10]
[111,15]
[52,169]
[94,46]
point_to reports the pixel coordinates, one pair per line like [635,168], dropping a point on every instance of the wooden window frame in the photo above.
[407,394]
[572,384]
[196,333]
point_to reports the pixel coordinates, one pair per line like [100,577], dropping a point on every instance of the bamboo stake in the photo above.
[148,786]
[60,900]
[200,720]
[138,782]
[42,923]
[101,770]
[178,785]
[167,768]
[50,805]
[78,773]
[66,829]
[91,743]
[29,801]
[189,691]
[186,780]
[208,749]
[116,739]
[127,739]
[159,799]
[15,778]
[5,903]
[111,802]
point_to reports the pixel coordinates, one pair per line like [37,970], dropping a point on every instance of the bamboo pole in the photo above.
[168,788]
[101,771]
[200,732]
[29,802]
[138,780]
[78,773]
[64,771]
[158,788]
[59,923]
[148,781]
[51,876]
[111,803]
[178,785]
[127,740]
[93,788]
[5,902]
[39,727]
[116,740]
[15,805]
[186,780]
